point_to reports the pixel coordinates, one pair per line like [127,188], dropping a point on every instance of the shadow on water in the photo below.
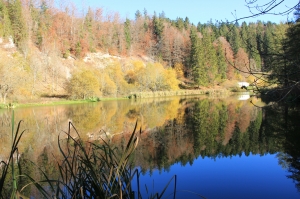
[282,124]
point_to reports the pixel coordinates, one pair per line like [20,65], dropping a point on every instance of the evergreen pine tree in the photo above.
[278,61]
[5,24]
[199,27]
[88,29]
[180,23]
[268,47]
[223,29]
[244,35]
[292,53]
[252,46]
[210,58]
[186,23]
[18,24]
[127,33]
[234,38]
[138,15]
[145,13]
[221,61]
[214,31]
[259,40]
[199,70]
[158,27]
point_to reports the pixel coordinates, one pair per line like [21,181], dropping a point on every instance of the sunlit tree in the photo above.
[83,85]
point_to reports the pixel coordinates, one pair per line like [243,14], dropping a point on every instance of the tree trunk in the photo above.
[1,98]
[4,98]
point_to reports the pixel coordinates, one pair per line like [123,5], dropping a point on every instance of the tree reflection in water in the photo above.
[174,131]
[283,125]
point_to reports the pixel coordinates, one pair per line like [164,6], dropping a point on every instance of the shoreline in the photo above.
[134,95]
[213,91]
[53,102]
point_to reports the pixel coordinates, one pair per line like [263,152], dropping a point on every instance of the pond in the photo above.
[216,148]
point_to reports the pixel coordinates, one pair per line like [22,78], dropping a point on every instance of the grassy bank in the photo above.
[51,102]
[63,101]
[43,103]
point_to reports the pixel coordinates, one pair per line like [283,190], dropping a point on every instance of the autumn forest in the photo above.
[187,102]
[47,50]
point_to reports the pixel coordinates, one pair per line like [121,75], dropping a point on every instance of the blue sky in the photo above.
[195,10]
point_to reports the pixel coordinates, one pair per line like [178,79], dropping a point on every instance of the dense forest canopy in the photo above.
[47,51]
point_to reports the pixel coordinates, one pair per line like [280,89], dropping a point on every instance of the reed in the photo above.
[14,154]
[90,170]
[86,170]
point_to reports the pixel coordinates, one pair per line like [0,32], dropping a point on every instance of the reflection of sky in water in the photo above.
[254,176]
[243,96]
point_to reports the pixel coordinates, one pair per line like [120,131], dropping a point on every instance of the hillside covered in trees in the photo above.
[51,51]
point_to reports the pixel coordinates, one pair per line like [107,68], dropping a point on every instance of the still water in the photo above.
[217,148]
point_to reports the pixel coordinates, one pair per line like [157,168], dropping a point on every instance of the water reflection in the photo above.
[282,125]
[243,96]
[175,131]
[207,128]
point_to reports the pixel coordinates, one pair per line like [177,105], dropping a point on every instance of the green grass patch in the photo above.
[45,102]
[60,102]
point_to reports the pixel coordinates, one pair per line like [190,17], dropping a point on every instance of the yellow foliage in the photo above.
[86,117]
[178,67]
[171,80]
[258,81]
[172,109]
[107,86]
[131,75]
[155,77]
[24,92]
[262,82]
[137,65]
[83,84]
[116,75]
[251,79]
[239,77]
[20,62]
[108,111]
